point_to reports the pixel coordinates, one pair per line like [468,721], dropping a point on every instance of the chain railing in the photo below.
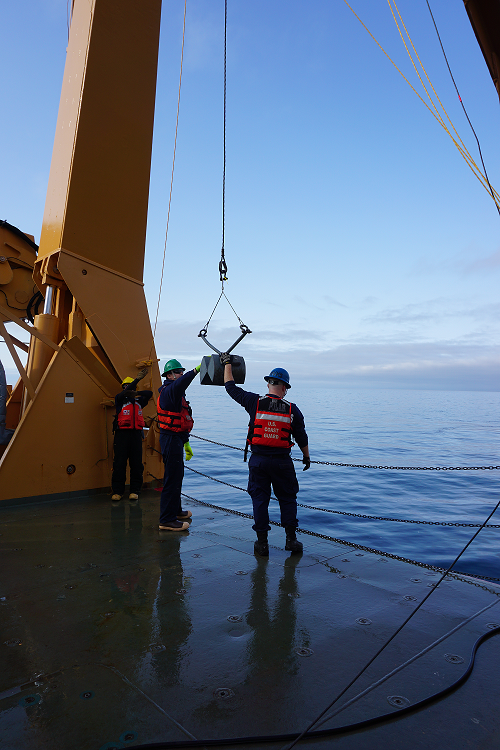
[455,574]
[359,515]
[370,466]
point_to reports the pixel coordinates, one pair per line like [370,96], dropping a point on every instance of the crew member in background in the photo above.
[127,444]
[176,422]
[273,423]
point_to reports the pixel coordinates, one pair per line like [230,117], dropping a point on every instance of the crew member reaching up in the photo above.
[273,423]
[176,422]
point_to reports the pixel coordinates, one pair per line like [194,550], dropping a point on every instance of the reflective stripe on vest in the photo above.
[130,418]
[175,421]
[272,425]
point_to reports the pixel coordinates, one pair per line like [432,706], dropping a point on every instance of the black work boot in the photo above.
[261,546]
[292,544]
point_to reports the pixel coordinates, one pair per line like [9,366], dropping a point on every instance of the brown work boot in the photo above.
[174,526]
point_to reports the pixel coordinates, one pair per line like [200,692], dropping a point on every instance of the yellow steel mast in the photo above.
[95,328]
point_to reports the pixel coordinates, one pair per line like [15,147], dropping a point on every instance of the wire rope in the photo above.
[463,149]
[171,179]
[471,164]
[463,107]
[398,630]
[349,728]
[222,262]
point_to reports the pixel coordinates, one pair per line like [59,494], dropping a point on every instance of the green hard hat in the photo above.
[172,364]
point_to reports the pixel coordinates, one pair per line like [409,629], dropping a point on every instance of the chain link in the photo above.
[455,574]
[360,515]
[370,466]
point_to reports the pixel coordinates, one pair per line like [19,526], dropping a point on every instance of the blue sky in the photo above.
[361,249]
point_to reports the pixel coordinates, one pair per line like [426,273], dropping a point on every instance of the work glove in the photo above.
[198,367]
[142,373]
[225,359]
[307,461]
[188,451]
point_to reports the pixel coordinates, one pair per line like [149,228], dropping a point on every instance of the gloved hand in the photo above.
[142,373]
[198,367]
[225,359]
[307,461]
[188,451]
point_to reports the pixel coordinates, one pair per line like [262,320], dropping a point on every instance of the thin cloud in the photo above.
[331,301]
[488,263]
[384,362]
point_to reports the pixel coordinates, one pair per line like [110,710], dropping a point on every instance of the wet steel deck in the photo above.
[115,635]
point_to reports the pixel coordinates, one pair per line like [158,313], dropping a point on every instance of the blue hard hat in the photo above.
[279,374]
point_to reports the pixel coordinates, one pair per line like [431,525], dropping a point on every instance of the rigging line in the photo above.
[171,180]
[465,152]
[398,630]
[462,149]
[463,107]
[425,73]
[222,266]
[210,318]
[232,308]
[223,294]
[413,89]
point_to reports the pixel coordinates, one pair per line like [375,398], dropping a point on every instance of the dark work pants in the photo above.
[127,446]
[278,471]
[170,501]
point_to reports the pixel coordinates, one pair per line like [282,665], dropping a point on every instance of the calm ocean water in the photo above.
[387,427]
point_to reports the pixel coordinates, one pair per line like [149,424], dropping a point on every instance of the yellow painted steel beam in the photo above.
[91,256]
[97,196]
[13,353]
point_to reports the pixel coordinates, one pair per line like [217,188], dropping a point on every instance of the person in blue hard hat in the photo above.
[175,421]
[273,424]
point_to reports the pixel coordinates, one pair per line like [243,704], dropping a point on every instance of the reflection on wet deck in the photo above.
[114,635]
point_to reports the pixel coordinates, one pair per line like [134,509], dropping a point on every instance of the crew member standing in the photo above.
[127,443]
[176,422]
[273,423]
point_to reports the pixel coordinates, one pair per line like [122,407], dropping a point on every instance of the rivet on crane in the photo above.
[212,371]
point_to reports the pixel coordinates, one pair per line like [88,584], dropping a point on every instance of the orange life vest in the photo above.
[130,417]
[175,421]
[272,424]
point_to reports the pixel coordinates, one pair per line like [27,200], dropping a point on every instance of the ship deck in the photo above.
[116,635]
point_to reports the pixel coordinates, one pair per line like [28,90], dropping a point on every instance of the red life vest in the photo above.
[175,421]
[130,418]
[272,424]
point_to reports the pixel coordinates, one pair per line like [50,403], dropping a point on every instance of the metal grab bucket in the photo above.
[212,371]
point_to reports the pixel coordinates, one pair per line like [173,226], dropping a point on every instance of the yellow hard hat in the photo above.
[127,381]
